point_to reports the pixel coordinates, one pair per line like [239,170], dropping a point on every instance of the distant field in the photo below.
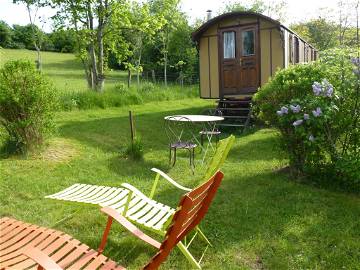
[63,68]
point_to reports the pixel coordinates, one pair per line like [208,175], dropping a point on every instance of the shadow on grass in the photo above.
[108,133]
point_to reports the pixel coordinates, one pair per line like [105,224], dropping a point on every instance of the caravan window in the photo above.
[248,43]
[229,44]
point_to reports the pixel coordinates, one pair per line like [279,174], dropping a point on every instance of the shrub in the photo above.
[27,104]
[287,84]
[135,149]
[316,109]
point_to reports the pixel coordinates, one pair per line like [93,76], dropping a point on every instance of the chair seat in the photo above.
[67,252]
[183,145]
[142,210]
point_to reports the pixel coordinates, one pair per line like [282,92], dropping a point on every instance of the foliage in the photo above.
[135,149]
[319,121]
[122,96]
[275,222]
[292,83]
[276,9]
[320,32]
[27,104]
[5,34]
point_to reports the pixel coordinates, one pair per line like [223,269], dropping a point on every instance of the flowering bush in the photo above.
[319,123]
[307,123]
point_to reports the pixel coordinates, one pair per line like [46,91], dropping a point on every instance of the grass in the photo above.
[67,74]
[260,218]
[63,68]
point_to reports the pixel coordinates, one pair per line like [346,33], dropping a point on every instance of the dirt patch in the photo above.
[60,150]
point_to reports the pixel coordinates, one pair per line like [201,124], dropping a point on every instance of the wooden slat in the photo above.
[34,239]
[122,196]
[96,263]
[110,194]
[74,255]
[66,191]
[9,229]
[12,238]
[83,260]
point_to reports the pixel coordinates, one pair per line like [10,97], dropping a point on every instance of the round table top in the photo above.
[194,118]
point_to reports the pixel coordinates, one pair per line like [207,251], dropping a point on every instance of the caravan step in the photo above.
[234,101]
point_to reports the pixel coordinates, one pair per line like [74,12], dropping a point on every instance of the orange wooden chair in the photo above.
[27,246]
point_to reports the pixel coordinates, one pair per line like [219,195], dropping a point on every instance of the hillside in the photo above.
[63,68]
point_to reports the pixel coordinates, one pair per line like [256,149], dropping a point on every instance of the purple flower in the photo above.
[317,112]
[298,122]
[355,61]
[317,88]
[284,110]
[311,138]
[296,108]
[356,71]
[306,116]
[279,113]
[330,91]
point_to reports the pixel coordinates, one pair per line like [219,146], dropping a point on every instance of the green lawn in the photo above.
[260,218]
[63,68]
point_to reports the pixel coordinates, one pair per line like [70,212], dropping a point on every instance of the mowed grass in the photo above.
[260,218]
[64,69]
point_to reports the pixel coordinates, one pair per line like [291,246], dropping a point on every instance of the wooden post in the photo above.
[132,127]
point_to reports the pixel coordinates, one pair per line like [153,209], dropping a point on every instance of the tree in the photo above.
[33,7]
[144,26]
[275,9]
[321,32]
[5,34]
[98,26]
[169,11]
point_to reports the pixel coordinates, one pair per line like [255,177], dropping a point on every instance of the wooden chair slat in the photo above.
[37,237]
[12,229]
[67,192]
[121,196]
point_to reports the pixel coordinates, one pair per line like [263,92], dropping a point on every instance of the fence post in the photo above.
[132,127]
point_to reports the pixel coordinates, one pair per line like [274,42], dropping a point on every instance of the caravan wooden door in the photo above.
[239,60]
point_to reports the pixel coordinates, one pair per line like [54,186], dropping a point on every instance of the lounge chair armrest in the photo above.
[168,178]
[41,258]
[130,227]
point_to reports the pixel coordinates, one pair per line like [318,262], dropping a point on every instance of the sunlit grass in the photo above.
[260,218]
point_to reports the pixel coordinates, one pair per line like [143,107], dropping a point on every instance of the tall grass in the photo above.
[121,95]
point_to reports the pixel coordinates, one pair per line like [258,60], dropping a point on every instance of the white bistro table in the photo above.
[208,123]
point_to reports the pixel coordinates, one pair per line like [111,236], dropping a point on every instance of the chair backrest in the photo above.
[191,210]
[178,129]
[219,157]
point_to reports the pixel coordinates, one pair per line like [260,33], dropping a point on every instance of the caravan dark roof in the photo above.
[198,33]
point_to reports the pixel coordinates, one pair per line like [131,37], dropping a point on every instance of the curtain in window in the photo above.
[229,44]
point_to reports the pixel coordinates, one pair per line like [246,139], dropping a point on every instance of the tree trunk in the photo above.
[101,76]
[93,64]
[165,69]
[138,69]
[153,76]
[37,44]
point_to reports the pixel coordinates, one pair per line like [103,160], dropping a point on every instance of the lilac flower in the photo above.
[279,113]
[330,91]
[296,108]
[311,138]
[284,110]
[317,88]
[298,122]
[355,61]
[317,112]
[306,116]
